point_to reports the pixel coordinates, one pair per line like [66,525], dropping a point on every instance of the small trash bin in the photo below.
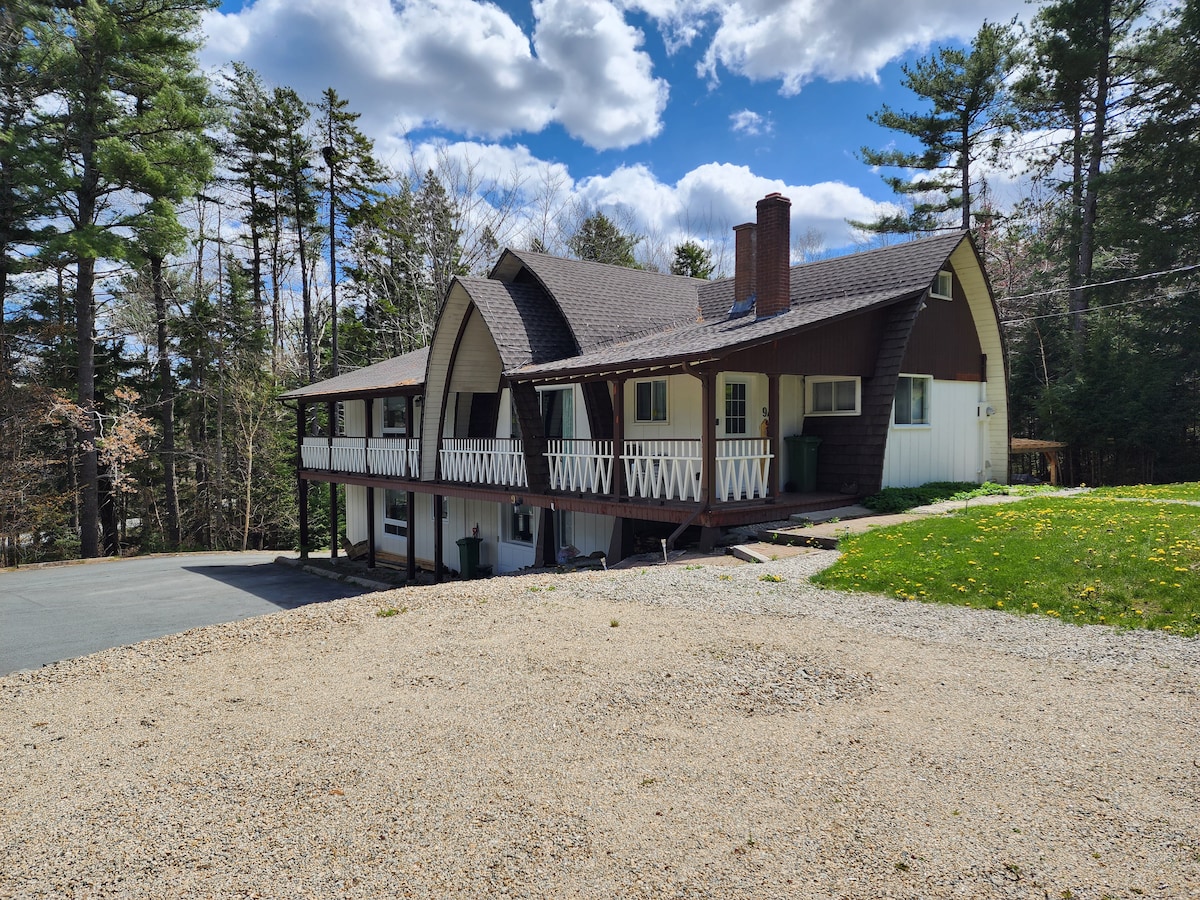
[802,461]
[468,556]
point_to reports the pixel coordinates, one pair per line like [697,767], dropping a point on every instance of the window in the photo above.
[651,401]
[832,396]
[520,523]
[395,513]
[943,286]
[558,413]
[395,415]
[912,400]
[735,407]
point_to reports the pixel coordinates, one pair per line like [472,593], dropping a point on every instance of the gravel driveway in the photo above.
[667,732]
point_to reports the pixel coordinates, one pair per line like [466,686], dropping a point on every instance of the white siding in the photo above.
[354,418]
[356,513]
[948,449]
[683,411]
[995,426]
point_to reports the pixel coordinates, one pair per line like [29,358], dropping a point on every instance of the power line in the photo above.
[1096,284]
[1090,309]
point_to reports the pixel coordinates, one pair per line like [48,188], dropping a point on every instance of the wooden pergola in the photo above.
[1048,449]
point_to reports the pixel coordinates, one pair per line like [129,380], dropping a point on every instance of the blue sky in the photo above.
[678,114]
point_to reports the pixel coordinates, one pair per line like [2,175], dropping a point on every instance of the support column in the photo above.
[303,484]
[369,410]
[708,438]
[618,452]
[410,539]
[331,409]
[774,444]
[438,541]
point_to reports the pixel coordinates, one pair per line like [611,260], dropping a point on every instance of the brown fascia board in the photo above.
[684,362]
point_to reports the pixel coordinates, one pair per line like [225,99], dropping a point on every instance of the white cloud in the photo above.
[796,41]
[749,122]
[710,199]
[463,65]
[609,97]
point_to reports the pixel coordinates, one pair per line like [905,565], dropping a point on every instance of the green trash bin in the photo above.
[802,461]
[468,556]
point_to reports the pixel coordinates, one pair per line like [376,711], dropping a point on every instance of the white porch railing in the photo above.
[348,454]
[314,453]
[580,465]
[662,470]
[498,462]
[654,470]
[743,466]
[394,457]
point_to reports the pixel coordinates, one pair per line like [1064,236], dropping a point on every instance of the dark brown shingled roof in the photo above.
[820,292]
[525,323]
[898,269]
[603,303]
[407,371]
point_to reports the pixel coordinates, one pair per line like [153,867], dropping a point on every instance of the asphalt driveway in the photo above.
[49,614]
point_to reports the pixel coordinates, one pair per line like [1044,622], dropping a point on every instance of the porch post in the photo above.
[708,437]
[438,548]
[774,446]
[410,564]
[369,407]
[303,484]
[331,409]
[618,451]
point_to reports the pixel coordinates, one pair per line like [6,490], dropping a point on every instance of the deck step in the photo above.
[748,554]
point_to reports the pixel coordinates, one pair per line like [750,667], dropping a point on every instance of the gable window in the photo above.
[395,513]
[735,407]
[912,400]
[943,286]
[651,400]
[832,396]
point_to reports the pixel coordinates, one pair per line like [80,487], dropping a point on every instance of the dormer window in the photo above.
[943,286]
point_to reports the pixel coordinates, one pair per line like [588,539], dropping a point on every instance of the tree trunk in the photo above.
[166,405]
[85,433]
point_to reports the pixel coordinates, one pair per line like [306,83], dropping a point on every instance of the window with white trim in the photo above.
[912,400]
[395,513]
[943,286]
[735,407]
[832,396]
[651,397]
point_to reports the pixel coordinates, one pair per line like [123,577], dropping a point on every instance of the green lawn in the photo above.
[1189,490]
[1086,559]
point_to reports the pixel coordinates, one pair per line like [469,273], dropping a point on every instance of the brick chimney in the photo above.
[773,255]
[743,265]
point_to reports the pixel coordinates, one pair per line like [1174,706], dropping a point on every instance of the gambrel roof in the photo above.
[602,303]
[820,292]
[552,317]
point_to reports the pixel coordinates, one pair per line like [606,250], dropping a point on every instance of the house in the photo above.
[569,404]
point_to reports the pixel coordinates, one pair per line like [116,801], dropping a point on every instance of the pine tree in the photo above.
[354,176]
[968,116]
[692,259]
[600,240]
[125,77]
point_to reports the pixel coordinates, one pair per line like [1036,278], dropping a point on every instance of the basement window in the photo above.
[832,396]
